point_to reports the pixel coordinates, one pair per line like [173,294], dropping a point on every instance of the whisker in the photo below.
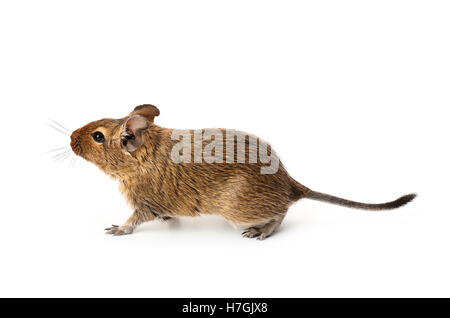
[55,157]
[62,159]
[53,150]
[72,161]
[59,154]
[60,125]
[62,132]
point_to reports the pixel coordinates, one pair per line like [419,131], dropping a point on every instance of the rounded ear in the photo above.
[131,136]
[146,110]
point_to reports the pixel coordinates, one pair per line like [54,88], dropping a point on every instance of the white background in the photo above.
[354,96]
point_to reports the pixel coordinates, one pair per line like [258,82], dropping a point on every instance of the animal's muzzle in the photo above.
[75,142]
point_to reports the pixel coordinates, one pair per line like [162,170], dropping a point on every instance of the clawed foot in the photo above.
[254,232]
[118,230]
[263,231]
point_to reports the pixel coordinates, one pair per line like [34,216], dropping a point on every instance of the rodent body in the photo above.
[139,154]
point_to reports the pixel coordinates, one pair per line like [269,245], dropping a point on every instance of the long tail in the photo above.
[313,195]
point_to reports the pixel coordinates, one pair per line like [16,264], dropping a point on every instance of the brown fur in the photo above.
[156,187]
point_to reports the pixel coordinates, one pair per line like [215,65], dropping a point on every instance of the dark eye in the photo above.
[98,136]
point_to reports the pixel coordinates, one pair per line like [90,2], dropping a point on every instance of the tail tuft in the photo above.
[403,200]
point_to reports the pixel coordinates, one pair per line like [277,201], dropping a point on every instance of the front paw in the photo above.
[118,230]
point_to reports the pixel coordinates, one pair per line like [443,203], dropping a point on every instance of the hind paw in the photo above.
[254,232]
[251,232]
